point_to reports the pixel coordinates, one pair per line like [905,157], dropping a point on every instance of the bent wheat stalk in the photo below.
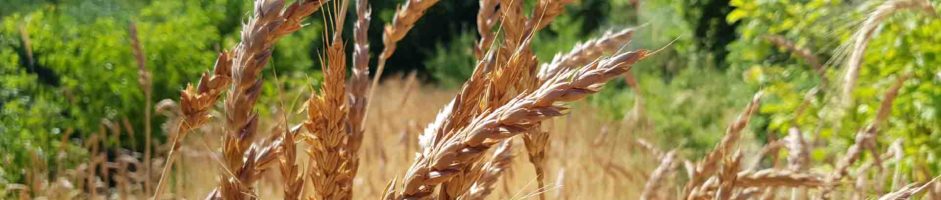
[195,103]
[865,33]
[518,115]
[405,18]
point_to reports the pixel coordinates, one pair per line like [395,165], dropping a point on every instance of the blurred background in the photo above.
[69,90]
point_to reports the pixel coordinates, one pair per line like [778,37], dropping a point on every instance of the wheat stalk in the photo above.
[798,154]
[269,22]
[519,114]
[334,143]
[461,109]
[498,90]
[536,141]
[801,52]
[865,138]
[145,82]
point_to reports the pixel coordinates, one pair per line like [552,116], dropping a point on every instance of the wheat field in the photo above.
[514,130]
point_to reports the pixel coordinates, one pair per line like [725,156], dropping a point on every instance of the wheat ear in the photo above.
[586,52]
[292,177]
[458,113]
[497,93]
[908,191]
[544,13]
[461,109]
[195,103]
[258,160]
[269,22]
[333,142]
[655,182]
[360,79]
[486,19]
[865,33]
[518,115]
[708,166]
